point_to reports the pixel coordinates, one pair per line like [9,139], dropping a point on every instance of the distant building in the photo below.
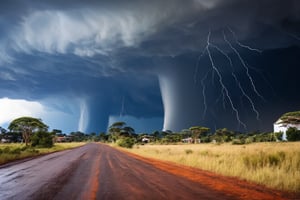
[279,126]
[5,140]
[147,138]
[63,139]
[190,140]
[286,121]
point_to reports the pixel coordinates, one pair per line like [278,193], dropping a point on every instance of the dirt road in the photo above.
[97,171]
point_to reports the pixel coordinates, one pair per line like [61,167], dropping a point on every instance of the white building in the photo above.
[281,126]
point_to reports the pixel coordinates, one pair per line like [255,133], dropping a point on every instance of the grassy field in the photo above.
[11,152]
[275,165]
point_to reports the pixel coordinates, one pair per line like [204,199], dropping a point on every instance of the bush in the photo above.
[263,159]
[206,139]
[249,140]
[32,150]
[238,141]
[125,142]
[42,139]
[16,151]
[6,150]
[188,151]
[292,134]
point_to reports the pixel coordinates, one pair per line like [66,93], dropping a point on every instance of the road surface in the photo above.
[97,171]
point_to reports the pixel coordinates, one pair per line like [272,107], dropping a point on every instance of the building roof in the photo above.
[289,118]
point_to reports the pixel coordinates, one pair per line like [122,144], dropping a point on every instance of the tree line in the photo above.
[34,132]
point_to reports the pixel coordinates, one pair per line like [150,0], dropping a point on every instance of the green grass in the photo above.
[275,165]
[16,151]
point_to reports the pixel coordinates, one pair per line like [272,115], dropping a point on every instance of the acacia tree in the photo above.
[119,129]
[27,125]
[115,130]
[127,131]
[224,134]
[197,131]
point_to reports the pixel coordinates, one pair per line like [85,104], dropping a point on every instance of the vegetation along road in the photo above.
[97,171]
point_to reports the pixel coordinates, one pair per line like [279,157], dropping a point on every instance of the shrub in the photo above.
[263,159]
[238,141]
[125,142]
[249,140]
[188,151]
[292,134]
[42,139]
[164,141]
[16,151]
[6,150]
[206,139]
[32,150]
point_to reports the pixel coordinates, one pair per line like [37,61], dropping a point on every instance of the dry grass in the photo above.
[275,165]
[11,152]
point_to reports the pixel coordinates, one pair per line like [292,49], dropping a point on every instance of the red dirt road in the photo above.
[97,171]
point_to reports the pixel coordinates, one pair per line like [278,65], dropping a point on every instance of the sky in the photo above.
[157,65]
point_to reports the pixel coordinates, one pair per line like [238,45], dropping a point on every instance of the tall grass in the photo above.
[11,152]
[275,165]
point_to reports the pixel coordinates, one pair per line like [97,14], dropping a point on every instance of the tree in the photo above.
[118,124]
[127,131]
[42,139]
[119,131]
[115,130]
[197,131]
[186,133]
[27,126]
[156,135]
[223,135]
[3,130]
[57,132]
[103,137]
[78,136]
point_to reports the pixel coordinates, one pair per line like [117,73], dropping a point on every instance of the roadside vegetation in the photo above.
[29,137]
[16,151]
[275,165]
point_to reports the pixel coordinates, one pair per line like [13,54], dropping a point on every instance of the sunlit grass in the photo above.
[15,151]
[275,165]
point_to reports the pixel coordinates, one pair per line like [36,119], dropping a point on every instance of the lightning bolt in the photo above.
[244,93]
[204,94]
[197,66]
[242,45]
[237,81]
[216,72]
[223,96]
[244,65]
[215,69]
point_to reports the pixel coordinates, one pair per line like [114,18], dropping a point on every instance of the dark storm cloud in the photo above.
[174,26]
[257,23]
[144,52]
